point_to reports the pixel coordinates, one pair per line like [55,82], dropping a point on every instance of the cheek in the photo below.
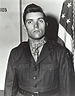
[29,27]
[42,27]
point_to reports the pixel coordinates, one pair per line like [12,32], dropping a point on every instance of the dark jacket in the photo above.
[51,73]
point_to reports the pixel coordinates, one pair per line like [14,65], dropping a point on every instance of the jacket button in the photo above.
[34,77]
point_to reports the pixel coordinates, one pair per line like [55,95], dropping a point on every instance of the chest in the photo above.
[47,67]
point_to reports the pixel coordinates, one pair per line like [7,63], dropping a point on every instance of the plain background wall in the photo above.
[10,27]
[9,33]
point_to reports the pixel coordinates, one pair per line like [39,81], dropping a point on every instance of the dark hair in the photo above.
[32,8]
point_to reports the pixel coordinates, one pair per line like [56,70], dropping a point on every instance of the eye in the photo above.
[29,21]
[41,20]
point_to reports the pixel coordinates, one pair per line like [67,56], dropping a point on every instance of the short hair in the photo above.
[32,8]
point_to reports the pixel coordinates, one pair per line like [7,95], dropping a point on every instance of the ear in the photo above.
[46,23]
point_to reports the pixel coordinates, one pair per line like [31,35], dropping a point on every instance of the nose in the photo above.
[36,25]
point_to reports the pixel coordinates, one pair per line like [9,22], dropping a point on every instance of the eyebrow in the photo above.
[37,18]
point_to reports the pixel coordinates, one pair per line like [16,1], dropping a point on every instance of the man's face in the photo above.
[35,25]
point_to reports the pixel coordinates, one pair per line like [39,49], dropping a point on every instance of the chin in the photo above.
[38,37]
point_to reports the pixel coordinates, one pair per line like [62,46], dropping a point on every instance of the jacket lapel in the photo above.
[27,53]
[45,52]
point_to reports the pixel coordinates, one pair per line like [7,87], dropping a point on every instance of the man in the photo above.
[38,67]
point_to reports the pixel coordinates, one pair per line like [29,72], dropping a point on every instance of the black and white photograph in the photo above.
[37,48]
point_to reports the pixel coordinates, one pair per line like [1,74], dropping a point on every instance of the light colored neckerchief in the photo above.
[37,47]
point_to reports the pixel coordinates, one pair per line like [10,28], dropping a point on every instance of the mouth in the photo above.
[36,31]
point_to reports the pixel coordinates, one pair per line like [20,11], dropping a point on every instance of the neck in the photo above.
[31,41]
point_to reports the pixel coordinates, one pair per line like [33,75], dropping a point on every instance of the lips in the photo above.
[35,31]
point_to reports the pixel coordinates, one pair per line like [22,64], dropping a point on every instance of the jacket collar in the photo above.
[46,50]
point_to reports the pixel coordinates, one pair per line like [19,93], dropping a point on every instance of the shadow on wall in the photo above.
[52,28]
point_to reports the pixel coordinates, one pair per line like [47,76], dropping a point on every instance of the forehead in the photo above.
[34,15]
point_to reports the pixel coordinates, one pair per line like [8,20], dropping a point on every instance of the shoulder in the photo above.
[63,55]
[56,47]
[20,46]
[18,50]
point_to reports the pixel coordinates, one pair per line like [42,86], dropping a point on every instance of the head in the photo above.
[35,21]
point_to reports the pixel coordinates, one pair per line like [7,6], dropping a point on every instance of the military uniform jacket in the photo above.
[52,71]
